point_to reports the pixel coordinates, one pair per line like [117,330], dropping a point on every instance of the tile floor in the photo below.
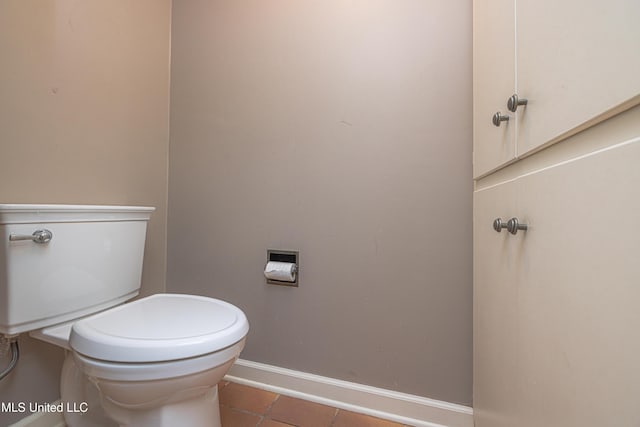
[243,406]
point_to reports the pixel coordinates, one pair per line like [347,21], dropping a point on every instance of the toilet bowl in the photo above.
[152,362]
[67,272]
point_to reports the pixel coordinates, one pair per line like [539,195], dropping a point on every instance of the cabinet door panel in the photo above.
[576,59]
[579,293]
[494,310]
[493,82]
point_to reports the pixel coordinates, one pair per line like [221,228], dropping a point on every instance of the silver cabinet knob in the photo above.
[513,226]
[498,225]
[514,101]
[38,236]
[498,118]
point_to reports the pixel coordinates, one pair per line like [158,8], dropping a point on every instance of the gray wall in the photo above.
[84,105]
[342,130]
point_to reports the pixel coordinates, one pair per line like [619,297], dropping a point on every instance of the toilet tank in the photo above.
[92,262]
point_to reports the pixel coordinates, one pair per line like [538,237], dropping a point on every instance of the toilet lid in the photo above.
[160,328]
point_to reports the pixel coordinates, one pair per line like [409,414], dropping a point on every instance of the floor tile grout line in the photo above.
[268,411]
[335,415]
[262,416]
[243,411]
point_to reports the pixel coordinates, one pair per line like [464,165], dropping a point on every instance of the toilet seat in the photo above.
[159,328]
[132,372]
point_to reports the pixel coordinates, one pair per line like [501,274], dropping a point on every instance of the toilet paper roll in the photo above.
[282,271]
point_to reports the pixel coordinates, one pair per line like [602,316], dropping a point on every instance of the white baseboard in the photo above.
[42,419]
[391,405]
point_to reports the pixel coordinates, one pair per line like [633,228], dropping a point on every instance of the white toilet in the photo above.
[65,274]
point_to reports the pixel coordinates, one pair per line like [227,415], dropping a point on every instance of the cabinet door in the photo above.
[494,310]
[576,59]
[493,82]
[579,293]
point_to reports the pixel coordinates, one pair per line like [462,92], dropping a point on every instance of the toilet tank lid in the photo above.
[39,213]
[159,328]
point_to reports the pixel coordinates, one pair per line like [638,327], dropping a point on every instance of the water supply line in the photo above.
[15,354]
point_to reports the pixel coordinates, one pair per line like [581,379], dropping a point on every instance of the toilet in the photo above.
[66,274]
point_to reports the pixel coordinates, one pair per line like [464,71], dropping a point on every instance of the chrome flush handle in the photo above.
[38,236]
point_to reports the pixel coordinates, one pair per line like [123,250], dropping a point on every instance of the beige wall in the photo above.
[342,130]
[83,119]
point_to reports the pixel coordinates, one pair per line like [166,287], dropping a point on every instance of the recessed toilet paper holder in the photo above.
[285,256]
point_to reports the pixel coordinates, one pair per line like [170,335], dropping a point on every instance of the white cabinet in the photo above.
[576,59]
[576,63]
[494,310]
[557,307]
[493,82]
